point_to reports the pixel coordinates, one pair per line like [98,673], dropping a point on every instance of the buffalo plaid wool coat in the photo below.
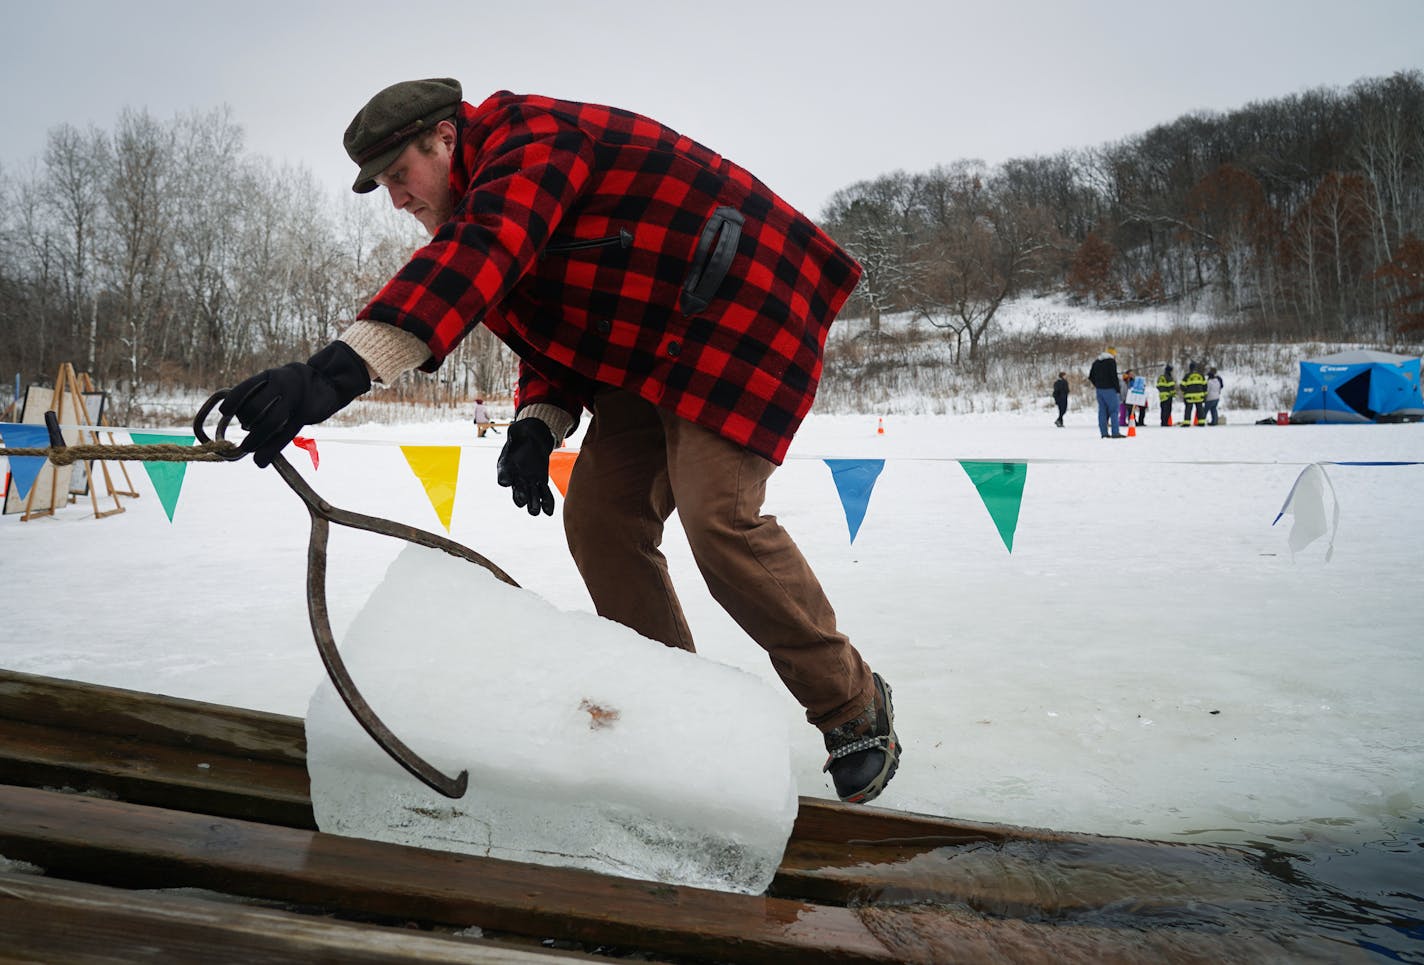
[608,250]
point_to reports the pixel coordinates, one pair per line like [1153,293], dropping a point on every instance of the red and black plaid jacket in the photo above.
[606,249]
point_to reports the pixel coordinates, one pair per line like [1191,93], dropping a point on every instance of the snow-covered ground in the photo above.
[1150,660]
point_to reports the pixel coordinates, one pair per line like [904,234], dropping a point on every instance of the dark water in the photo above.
[1367,888]
[1332,892]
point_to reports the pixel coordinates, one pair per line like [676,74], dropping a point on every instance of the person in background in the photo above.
[1213,395]
[1102,375]
[1193,395]
[482,420]
[1122,388]
[644,278]
[1136,411]
[1166,390]
[1060,397]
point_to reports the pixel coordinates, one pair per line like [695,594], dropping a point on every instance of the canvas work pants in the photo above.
[636,465]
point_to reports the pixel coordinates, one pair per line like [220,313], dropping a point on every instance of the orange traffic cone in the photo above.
[880,429]
[1131,426]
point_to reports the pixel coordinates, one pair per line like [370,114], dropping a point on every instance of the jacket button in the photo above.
[604,326]
[674,347]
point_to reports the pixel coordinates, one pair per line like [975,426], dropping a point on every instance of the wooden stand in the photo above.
[69,406]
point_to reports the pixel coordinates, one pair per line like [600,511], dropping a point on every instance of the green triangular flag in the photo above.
[1000,485]
[167,477]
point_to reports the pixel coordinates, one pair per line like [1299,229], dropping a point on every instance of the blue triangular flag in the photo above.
[855,478]
[24,469]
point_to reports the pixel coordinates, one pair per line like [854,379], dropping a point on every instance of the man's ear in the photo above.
[446,132]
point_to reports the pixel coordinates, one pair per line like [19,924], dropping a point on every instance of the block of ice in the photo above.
[587,745]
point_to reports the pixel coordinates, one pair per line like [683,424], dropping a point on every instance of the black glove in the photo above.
[274,405]
[523,465]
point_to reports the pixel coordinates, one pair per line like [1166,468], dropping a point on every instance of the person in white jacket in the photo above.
[1213,395]
[482,420]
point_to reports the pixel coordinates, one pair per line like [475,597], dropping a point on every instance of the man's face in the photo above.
[419,182]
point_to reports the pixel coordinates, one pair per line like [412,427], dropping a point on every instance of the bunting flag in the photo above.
[1000,486]
[855,479]
[561,464]
[437,468]
[1306,503]
[167,477]
[24,469]
[302,442]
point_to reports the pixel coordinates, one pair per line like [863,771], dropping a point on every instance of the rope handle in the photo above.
[62,454]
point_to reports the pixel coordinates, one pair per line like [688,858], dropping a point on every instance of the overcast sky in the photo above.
[811,96]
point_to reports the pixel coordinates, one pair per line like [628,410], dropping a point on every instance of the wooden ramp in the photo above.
[114,793]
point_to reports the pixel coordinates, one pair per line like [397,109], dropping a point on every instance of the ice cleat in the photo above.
[864,751]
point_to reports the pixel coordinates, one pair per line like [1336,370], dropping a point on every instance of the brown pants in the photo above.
[636,465]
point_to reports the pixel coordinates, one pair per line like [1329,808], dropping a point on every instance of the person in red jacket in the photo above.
[644,278]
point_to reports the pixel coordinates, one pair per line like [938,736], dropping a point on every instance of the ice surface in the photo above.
[587,745]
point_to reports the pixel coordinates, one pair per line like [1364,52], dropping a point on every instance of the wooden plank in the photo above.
[49,920]
[164,720]
[233,731]
[165,775]
[86,838]
[113,842]
[838,854]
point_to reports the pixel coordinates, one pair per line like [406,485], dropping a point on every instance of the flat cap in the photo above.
[381,130]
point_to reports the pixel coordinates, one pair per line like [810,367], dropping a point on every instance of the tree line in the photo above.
[159,255]
[1289,218]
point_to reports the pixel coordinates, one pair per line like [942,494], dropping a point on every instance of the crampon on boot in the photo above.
[864,751]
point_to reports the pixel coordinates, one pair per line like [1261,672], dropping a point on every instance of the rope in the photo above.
[211,451]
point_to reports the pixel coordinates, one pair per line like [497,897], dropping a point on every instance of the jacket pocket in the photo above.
[712,260]
[623,239]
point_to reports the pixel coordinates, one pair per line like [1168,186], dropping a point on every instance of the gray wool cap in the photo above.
[382,129]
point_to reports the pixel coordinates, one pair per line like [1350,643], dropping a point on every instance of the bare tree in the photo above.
[139,203]
[74,169]
[872,221]
[981,248]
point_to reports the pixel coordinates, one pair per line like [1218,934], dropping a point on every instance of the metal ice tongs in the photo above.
[322,514]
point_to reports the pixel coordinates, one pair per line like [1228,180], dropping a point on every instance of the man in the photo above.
[1166,389]
[1103,376]
[1213,395]
[641,276]
[1060,397]
[1193,395]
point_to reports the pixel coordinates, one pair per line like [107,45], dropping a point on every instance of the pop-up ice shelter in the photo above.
[1359,386]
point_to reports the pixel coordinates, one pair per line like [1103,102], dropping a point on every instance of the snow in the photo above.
[1150,660]
[586,745]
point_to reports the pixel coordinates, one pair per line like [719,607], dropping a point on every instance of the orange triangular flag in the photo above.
[561,463]
[437,468]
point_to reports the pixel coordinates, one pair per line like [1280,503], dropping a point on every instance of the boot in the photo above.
[864,751]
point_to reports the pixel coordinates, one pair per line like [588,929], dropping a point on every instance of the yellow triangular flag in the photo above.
[437,468]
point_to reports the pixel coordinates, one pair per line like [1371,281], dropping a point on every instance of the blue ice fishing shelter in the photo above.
[1359,386]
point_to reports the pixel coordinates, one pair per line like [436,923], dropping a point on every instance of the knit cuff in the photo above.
[387,351]
[559,422]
